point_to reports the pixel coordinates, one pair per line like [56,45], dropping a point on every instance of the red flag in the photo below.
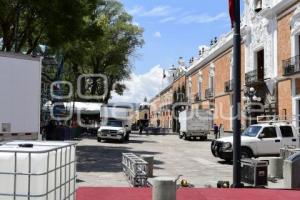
[231,12]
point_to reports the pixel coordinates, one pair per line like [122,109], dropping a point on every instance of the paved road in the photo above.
[99,164]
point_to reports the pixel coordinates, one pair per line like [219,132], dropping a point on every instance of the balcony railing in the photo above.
[253,77]
[228,86]
[209,93]
[291,66]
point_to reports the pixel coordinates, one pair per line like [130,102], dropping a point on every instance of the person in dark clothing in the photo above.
[216,131]
[49,129]
[141,127]
[221,130]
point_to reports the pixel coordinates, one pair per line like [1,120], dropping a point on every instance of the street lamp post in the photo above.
[236,97]
[250,97]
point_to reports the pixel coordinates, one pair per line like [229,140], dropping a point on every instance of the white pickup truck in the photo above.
[258,140]
[113,130]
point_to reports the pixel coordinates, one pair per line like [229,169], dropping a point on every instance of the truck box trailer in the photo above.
[20,93]
[195,124]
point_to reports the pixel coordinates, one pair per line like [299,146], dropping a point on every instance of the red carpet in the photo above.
[187,194]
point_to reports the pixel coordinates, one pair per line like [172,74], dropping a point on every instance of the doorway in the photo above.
[260,61]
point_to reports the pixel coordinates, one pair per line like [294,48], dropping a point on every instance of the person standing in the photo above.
[221,130]
[141,127]
[216,131]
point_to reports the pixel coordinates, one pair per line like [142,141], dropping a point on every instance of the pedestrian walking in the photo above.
[141,127]
[221,130]
[216,131]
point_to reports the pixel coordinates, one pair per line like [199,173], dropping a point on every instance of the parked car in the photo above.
[258,140]
[114,130]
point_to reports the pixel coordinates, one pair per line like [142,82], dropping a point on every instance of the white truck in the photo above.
[20,91]
[265,139]
[115,123]
[195,124]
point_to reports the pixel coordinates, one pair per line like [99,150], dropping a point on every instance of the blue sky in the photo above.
[172,28]
[175,28]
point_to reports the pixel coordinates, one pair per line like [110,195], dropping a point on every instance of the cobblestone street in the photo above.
[99,164]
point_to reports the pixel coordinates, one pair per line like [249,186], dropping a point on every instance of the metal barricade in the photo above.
[135,168]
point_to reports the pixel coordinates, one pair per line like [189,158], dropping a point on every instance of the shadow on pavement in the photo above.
[224,162]
[105,159]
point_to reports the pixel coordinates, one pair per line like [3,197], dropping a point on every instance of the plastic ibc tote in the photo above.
[37,170]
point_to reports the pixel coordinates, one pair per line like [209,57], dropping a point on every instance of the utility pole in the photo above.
[237,96]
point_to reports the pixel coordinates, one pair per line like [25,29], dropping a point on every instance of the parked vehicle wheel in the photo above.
[127,136]
[122,139]
[246,153]
[180,136]
[203,138]
[99,139]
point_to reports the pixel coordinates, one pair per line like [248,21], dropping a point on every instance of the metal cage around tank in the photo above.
[64,172]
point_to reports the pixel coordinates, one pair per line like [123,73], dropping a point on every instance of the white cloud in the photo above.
[141,86]
[158,11]
[203,18]
[136,10]
[168,19]
[157,34]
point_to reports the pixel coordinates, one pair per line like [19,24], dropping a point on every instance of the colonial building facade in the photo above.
[270,68]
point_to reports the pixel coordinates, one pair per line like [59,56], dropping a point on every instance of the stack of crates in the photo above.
[135,168]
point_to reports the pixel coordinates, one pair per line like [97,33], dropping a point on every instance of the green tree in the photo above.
[106,46]
[24,24]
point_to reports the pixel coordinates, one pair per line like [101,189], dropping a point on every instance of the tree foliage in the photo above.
[110,39]
[93,36]
[24,24]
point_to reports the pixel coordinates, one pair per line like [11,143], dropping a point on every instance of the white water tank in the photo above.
[37,170]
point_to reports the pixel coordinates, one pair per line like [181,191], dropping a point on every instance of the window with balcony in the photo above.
[258,74]
[292,65]
[258,4]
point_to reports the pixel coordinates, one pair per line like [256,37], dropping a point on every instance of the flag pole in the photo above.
[236,96]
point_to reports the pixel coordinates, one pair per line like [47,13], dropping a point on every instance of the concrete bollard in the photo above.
[164,188]
[150,160]
[275,167]
[291,172]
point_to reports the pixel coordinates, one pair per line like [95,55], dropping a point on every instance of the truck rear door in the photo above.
[288,136]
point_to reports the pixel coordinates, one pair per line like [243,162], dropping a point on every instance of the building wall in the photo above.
[285,93]
[271,33]
[222,112]
[154,109]
[222,101]
[283,40]
[166,114]
[222,72]
[285,98]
